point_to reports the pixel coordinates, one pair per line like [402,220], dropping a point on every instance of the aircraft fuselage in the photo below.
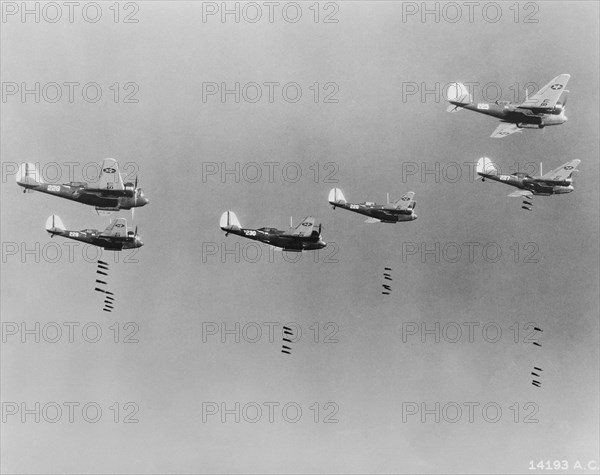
[80,192]
[93,237]
[278,238]
[526,118]
[536,186]
[385,213]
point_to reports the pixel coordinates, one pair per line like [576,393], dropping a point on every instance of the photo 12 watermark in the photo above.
[254,253]
[269,172]
[469,412]
[53,252]
[70,92]
[269,332]
[69,332]
[437,92]
[270,412]
[470,252]
[457,172]
[69,412]
[269,92]
[270,12]
[469,332]
[470,12]
[70,12]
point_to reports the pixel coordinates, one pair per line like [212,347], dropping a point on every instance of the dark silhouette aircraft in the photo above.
[305,237]
[114,238]
[401,210]
[556,182]
[541,109]
[111,194]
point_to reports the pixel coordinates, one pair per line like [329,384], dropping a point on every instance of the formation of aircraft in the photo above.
[401,210]
[115,237]
[305,237]
[558,181]
[110,195]
[541,109]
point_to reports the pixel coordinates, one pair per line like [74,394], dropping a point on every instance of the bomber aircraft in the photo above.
[541,109]
[401,210]
[114,238]
[110,194]
[305,237]
[558,181]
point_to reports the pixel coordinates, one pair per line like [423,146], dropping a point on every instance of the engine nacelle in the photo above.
[558,109]
[522,125]
[129,190]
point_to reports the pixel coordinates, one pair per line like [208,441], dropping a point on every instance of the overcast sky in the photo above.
[371,137]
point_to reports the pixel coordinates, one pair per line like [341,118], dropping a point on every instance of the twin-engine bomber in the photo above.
[541,109]
[305,237]
[110,195]
[401,210]
[115,237]
[556,182]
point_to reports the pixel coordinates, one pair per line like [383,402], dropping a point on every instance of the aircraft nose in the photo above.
[414,216]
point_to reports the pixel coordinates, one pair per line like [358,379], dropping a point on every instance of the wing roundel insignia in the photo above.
[556,86]
[109,170]
[568,167]
[119,225]
[405,198]
[306,224]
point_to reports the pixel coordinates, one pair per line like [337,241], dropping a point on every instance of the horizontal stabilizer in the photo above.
[104,212]
[522,193]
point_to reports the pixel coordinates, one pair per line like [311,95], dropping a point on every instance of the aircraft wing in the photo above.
[405,202]
[504,129]
[110,178]
[521,193]
[304,229]
[561,173]
[116,228]
[547,96]
[372,220]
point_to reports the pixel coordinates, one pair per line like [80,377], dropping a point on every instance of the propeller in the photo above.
[320,229]
[135,197]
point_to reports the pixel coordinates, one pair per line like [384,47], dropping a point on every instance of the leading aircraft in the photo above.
[401,210]
[556,182]
[114,238]
[305,237]
[541,109]
[110,194]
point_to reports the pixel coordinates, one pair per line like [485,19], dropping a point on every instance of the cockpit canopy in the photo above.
[268,230]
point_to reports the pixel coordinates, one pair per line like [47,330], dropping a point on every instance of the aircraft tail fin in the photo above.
[486,167]
[458,95]
[28,174]
[336,196]
[230,222]
[54,224]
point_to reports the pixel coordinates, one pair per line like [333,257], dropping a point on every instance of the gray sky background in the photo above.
[369,134]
